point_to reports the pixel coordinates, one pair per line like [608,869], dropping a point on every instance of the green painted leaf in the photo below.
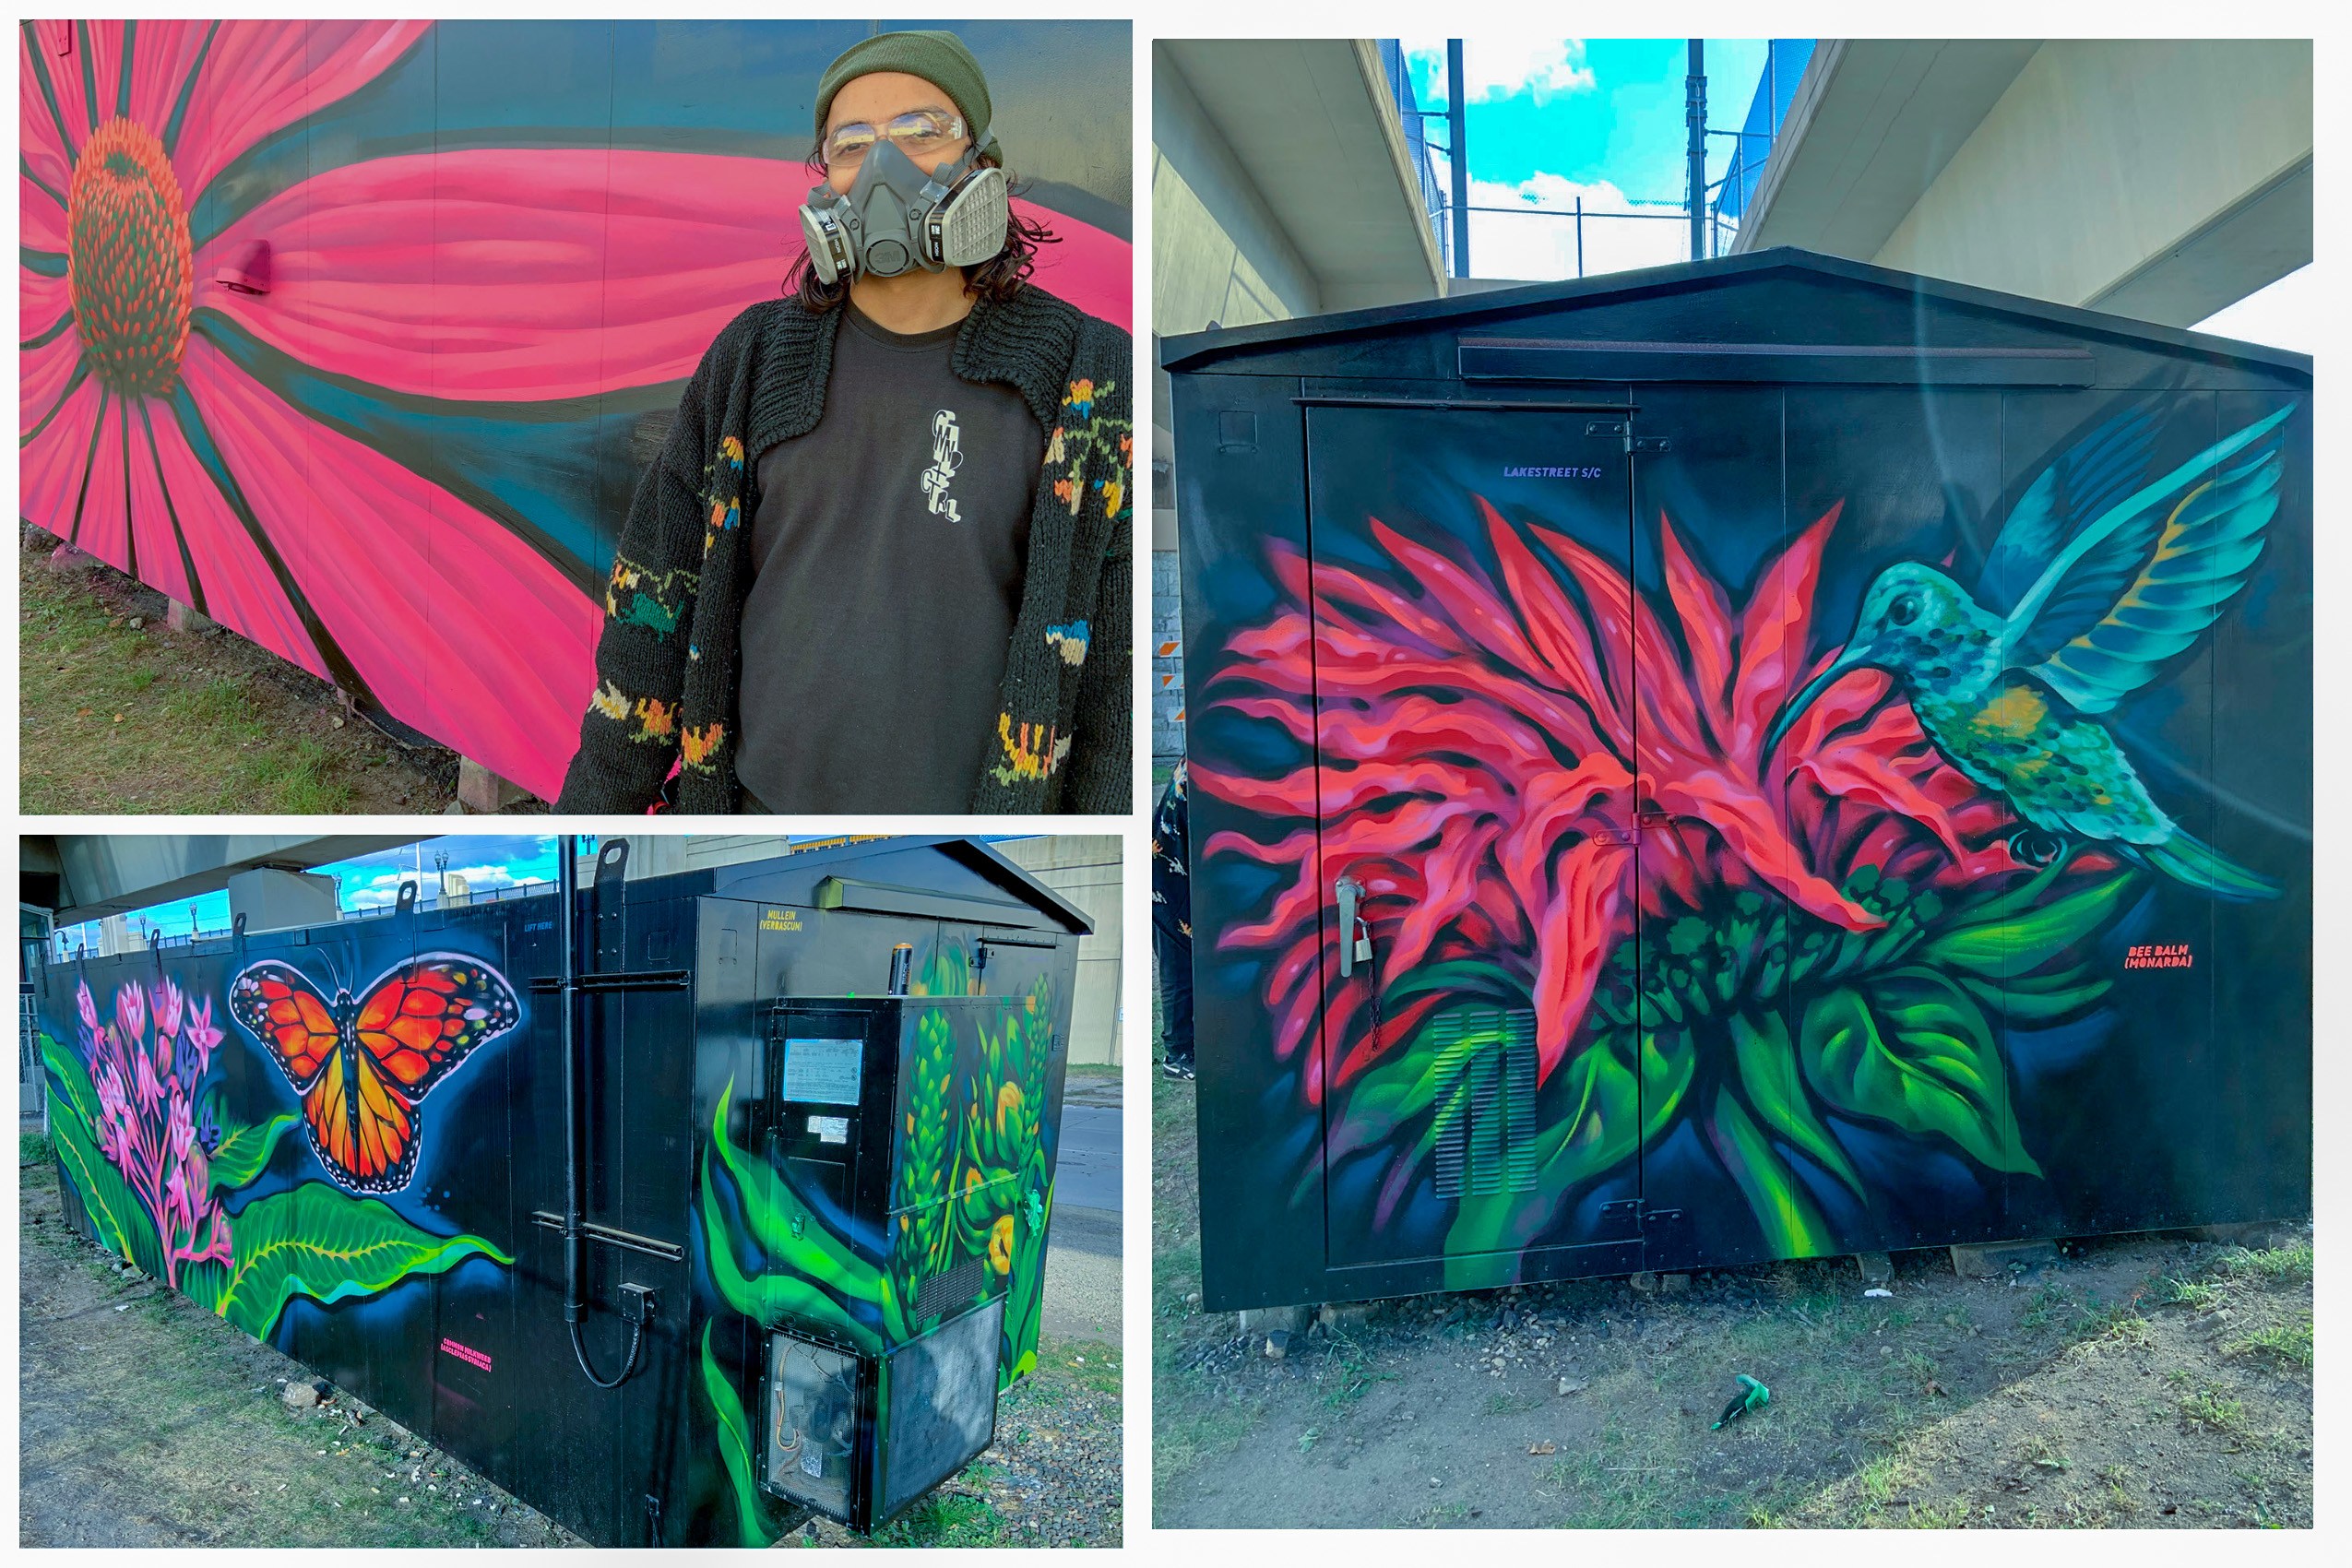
[1792,1226]
[70,1078]
[1473,977]
[790,1233]
[1025,1293]
[1605,1113]
[1776,1089]
[2024,1001]
[1918,1052]
[244,1151]
[120,1221]
[768,1298]
[320,1241]
[735,1447]
[2004,945]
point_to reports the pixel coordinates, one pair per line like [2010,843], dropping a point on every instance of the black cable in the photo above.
[579,1351]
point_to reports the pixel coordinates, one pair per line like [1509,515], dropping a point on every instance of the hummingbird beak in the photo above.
[1846,663]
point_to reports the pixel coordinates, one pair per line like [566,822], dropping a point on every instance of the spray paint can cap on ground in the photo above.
[1752,1396]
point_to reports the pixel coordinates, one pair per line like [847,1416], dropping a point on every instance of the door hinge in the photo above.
[1652,444]
[1606,427]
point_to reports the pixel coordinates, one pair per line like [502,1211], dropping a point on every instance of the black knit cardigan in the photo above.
[668,664]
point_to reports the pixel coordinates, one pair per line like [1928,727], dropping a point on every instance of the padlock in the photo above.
[1363,948]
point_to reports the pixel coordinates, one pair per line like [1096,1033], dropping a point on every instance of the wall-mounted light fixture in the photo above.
[248,271]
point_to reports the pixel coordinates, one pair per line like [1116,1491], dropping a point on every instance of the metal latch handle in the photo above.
[1350,893]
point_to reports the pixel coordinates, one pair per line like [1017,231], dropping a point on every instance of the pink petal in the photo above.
[161,567]
[41,226]
[105,63]
[260,77]
[1090,267]
[240,590]
[50,467]
[106,513]
[161,57]
[41,375]
[40,301]
[528,274]
[37,139]
[403,575]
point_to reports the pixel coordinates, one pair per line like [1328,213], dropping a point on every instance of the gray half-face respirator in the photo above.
[896,218]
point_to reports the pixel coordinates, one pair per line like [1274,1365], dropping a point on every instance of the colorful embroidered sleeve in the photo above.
[1101,763]
[629,737]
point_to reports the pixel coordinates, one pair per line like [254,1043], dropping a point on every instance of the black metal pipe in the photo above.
[1457,136]
[575,1234]
[567,937]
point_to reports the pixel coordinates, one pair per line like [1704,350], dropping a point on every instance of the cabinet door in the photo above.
[1474,711]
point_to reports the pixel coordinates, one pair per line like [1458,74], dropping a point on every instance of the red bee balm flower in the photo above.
[1482,747]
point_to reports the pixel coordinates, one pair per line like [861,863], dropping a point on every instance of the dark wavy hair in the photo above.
[996,280]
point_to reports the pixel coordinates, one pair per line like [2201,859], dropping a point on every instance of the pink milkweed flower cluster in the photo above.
[145,1062]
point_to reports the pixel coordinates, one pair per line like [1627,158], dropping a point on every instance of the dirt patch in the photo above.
[119,713]
[144,1421]
[2072,1394]
[2191,1405]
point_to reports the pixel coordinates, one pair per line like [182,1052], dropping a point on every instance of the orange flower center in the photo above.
[132,261]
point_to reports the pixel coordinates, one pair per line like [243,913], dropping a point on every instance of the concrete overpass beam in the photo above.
[2154,177]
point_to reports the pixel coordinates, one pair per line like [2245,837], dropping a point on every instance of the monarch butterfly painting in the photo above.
[364,1066]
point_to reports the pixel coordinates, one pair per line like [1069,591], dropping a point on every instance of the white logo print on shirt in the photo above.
[947,456]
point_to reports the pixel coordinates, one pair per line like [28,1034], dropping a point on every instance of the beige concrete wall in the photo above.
[2105,153]
[1083,868]
[1217,252]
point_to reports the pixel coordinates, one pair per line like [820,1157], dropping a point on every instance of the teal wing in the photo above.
[2079,488]
[2155,571]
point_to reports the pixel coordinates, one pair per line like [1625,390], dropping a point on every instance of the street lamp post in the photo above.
[1694,113]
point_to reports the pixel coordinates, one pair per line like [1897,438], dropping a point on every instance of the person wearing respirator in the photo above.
[882,562]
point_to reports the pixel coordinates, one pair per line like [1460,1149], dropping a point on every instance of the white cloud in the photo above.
[1500,67]
[1542,248]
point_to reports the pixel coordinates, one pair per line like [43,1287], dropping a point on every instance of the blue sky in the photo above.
[1590,109]
[1552,120]
[372,882]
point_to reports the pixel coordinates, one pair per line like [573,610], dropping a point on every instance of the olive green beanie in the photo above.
[939,58]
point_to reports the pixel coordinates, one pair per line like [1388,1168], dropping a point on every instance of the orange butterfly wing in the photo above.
[416,1024]
[283,1011]
[327,1112]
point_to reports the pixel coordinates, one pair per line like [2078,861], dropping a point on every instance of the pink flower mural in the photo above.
[478,275]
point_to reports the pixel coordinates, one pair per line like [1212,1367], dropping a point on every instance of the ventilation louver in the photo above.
[1486,1100]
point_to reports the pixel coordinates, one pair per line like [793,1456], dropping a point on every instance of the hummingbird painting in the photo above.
[2097,578]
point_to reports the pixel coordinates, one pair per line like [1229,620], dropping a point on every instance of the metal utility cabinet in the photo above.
[680,1207]
[1755,759]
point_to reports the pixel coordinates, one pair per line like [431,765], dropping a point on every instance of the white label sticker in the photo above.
[812,1461]
[823,1071]
[831,1129]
